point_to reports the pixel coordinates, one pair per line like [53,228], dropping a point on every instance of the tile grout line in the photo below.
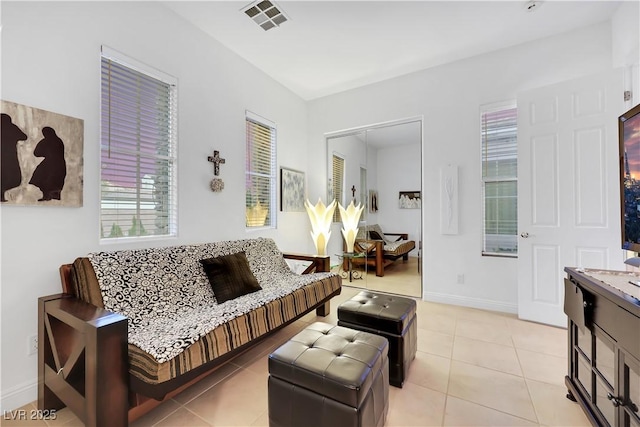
[208,423]
[203,391]
[495,370]
[499,410]
[266,411]
[535,410]
[169,414]
[446,394]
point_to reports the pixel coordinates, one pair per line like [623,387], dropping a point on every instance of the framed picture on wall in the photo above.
[292,190]
[409,200]
[373,201]
[42,157]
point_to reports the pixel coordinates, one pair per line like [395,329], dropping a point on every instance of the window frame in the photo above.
[271,219]
[172,148]
[335,155]
[487,109]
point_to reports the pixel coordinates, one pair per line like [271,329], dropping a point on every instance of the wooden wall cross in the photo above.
[353,191]
[216,160]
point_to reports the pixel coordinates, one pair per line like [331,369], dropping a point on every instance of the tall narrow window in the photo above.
[363,192]
[337,184]
[138,191]
[260,172]
[500,179]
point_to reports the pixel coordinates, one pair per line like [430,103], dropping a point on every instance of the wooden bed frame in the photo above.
[83,357]
[375,255]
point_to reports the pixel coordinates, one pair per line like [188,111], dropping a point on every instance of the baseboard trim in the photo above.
[483,304]
[18,396]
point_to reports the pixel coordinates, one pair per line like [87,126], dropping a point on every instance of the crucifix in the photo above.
[353,191]
[216,160]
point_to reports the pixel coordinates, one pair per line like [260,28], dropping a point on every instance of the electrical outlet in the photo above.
[460,279]
[32,345]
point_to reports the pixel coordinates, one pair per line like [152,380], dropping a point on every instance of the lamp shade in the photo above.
[350,218]
[256,215]
[320,217]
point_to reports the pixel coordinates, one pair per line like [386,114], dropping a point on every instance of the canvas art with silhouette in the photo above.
[41,157]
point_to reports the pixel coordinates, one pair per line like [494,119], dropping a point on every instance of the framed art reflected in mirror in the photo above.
[409,200]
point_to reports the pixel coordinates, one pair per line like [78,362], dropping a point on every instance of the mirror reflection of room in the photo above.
[380,168]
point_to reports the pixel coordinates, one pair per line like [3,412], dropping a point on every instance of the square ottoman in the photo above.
[390,316]
[329,376]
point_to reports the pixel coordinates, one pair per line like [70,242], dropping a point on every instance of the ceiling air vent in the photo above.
[265,13]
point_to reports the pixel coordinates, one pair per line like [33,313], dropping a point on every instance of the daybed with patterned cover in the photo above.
[135,327]
[380,250]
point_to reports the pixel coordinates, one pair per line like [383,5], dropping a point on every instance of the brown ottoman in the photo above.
[329,376]
[390,316]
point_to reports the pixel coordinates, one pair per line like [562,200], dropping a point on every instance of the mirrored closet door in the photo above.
[379,167]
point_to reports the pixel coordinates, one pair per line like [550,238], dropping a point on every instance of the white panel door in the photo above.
[568,194]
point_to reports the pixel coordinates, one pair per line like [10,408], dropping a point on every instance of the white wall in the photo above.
[449,98]
[625,32]
[399,170]
[51,60]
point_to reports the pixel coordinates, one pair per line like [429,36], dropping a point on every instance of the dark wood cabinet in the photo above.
[604,345]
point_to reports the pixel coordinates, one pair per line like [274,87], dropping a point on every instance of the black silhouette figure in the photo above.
[11,175]
[50,173]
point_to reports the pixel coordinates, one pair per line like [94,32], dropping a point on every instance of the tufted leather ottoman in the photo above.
[390,316]
[329,376]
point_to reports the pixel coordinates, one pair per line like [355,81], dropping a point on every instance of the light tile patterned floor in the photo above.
[401,277]
[473,368]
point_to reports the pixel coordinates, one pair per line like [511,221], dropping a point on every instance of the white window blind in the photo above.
[260,172]
[338,184]
[138,150]
[499,179]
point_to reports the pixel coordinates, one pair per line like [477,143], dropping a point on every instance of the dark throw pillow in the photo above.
[374,235]
[230,276]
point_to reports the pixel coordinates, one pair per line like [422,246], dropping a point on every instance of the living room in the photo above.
[50,60]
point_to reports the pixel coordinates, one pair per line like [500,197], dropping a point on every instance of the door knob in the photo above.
[614,400]
[524,235]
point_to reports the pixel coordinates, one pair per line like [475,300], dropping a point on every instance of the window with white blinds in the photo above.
[138,192]
[500,179]
[337,187]
[260,172]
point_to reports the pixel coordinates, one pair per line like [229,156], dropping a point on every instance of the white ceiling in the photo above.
[331,46]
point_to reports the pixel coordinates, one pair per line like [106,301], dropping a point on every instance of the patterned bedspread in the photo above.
[167,298]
